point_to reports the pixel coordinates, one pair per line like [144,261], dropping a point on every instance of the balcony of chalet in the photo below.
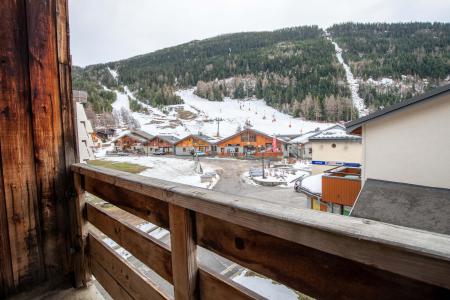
[52,237]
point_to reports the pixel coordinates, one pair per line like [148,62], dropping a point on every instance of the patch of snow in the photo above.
[264,286]
[358,102]
[313,184]
[170,169]
[159,233]
[286,176]
[113,73]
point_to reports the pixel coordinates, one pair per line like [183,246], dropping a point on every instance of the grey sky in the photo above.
[108,30]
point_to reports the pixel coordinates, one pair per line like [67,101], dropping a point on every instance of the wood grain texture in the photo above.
[134,283]
[184,253]
[20,239]
[317,274]
[404,251]
[143,206]
[78,219]
[213,286]
[47,131]
[155,254]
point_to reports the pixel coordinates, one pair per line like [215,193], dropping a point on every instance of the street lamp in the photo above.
[262,161]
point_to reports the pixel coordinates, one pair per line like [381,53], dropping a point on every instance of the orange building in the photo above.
[196,142]
[250,142]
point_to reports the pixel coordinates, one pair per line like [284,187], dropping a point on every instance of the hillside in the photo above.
[295,70]
[395,61]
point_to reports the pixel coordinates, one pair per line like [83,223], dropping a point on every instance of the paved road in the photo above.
[231,182]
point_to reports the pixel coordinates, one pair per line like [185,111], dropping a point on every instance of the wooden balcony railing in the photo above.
[322,255]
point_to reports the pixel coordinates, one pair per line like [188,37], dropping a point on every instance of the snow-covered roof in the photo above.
[168,138]
[202,137]
[250,129]
[313,184]
[335,133]
[304,138]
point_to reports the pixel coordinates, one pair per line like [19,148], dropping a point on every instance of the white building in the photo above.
[84,130]
[406,162]
[334,147]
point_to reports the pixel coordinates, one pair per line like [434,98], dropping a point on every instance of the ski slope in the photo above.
[203,116]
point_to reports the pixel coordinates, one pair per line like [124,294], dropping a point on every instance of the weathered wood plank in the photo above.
[21,244]
[153,253]
[307,270]
[213,286]
[388,247]
[79,222]
[145,207]
[109,283]
[184,253]
[135,283]
[48,133]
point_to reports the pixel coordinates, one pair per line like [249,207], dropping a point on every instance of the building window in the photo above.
[310,150]
[222,150]
[248,138]
[333,145]
[184,149]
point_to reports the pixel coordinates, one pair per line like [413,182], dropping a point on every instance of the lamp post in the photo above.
[262,161]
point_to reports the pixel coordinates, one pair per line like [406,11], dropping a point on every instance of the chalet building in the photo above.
[252,142]
[300,147]
[105,133]
[132,141]
[335,147]
[165,143]
[196,142]
[406,178]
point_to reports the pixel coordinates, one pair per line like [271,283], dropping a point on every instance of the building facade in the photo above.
[335,147]
[194,143]
[164,143]
[252,142]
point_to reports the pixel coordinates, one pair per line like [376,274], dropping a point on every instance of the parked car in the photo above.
[199,153]
[159,152]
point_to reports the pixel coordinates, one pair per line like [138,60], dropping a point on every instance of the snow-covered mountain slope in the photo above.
[353,84]
[201,115]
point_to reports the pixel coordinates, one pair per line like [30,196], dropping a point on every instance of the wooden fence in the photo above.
[322,255]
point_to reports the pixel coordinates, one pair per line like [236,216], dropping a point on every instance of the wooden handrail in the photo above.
[323,255]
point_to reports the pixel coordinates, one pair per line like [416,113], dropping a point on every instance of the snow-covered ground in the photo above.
[170,169]
[200,115]
[286,177]
[358,102]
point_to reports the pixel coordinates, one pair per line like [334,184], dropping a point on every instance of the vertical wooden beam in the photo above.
[34,148]
[21,255]
[79,224]
[184,253]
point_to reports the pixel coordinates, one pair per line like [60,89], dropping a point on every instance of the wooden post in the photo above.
[184,253]
[82,273]
[36,143]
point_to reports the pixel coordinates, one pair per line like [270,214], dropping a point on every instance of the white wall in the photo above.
[84,128]
[345,151]
[411,145]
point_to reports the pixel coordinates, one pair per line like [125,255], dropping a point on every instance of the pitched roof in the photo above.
[249,129]
[352,125]
[168,138]
[142,134]
[334,133]
[404,204]
[202,137]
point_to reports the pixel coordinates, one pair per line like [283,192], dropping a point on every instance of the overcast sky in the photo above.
[108,30]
